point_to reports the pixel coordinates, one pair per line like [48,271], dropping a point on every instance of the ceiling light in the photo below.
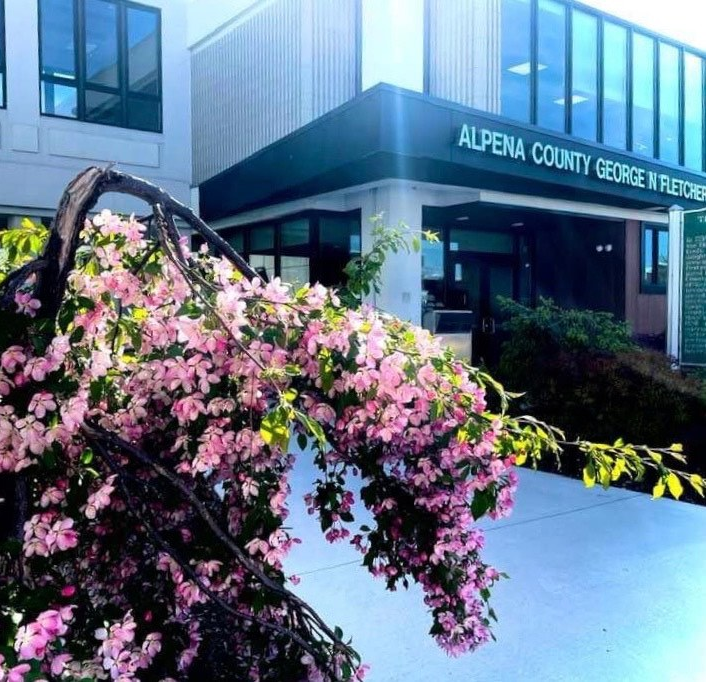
[524,69]
[575,99]
[517,224]
[463,217]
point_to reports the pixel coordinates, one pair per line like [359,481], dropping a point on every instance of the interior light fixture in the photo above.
[517,224]
[524,69]
[462,217]
[574,99]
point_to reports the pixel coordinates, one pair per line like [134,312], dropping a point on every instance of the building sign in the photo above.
[565,159]
[693,289]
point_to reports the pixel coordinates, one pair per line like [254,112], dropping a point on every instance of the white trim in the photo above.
[574,207]
[673,286]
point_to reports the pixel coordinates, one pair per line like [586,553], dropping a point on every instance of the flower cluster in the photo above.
[210,380]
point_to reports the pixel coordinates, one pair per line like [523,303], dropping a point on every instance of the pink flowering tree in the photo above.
[150,402]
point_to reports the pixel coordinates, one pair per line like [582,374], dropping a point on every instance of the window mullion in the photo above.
[123,61]
[80,58]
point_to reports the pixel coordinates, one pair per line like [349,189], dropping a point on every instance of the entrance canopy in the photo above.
[388,132]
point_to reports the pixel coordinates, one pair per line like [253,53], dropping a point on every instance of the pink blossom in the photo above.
[26,304]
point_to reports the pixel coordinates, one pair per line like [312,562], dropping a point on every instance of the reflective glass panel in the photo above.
[668,103]
[643,95]
[648,257]
[102,43]
[295,233]
[584,97]
[614,119]
[263,265]
[481,241]
[56,32]
[551,65]
[143,51]
[516,59]
[143,114]
[432,255]
[694,121]
[295,269]
[58,100]
[262,238]
[235,240]
[340,240]
[103,107]
[662,264]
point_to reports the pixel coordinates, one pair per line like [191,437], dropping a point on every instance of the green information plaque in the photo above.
[693,289]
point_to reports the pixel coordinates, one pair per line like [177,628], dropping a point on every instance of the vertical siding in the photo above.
[465,52]
[334,54]
[646,313]
[285,65]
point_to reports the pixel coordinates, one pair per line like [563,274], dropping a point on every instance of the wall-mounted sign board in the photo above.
[693,289]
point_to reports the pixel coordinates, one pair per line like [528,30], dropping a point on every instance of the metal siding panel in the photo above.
[246,89]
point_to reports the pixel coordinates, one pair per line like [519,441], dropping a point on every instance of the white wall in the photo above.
[39,155]
[392,43]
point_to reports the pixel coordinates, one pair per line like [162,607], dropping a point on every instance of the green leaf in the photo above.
[589,475]
[87,456]
[659,490]
[675,486]
[275,429]
[301,441]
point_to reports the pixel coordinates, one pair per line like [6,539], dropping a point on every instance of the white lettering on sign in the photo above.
[561,158]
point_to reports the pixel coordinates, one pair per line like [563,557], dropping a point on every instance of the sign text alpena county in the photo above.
[693,289]
[571,161]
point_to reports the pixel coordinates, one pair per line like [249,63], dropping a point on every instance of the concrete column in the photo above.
[401,282]
[673,287]
[392,43]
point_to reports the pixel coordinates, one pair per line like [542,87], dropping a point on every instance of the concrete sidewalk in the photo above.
[606,586]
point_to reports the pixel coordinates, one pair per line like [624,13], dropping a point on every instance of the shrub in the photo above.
[581,371]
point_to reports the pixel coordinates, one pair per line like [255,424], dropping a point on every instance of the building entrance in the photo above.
[487,252]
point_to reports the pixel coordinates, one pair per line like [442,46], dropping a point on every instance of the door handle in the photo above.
[489,325]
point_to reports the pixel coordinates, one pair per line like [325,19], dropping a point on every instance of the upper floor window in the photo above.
[668,103]
[614,114]
[3,86]
[694,132]
[100,62]
[516,59]
[643,79]
[583,100]
[551,65]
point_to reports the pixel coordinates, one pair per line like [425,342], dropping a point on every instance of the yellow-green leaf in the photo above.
[675,487]
[659,490]
[589,475]
[698,484]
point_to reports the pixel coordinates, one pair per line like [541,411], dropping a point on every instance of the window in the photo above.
[551,65]
[694,88]
[643,94]
[668,103]
[311,247]
[654,259]
[614,117]
[516,59]
[3,87]
[583,100]
[100,62]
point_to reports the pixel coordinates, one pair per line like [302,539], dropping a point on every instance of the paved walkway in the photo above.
[606,586]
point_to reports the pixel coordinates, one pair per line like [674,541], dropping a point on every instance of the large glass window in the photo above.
[643,79]
[614,116]
[655,259]
[551,65]
[694,131]
[516,59]
[3,87]
[101,64]
[311,247]
[584,97]
[668,103]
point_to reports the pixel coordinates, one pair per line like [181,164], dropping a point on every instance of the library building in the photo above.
[546,143]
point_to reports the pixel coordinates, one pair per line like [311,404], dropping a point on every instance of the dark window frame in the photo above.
[80,81]
[3,62]
[654,286]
